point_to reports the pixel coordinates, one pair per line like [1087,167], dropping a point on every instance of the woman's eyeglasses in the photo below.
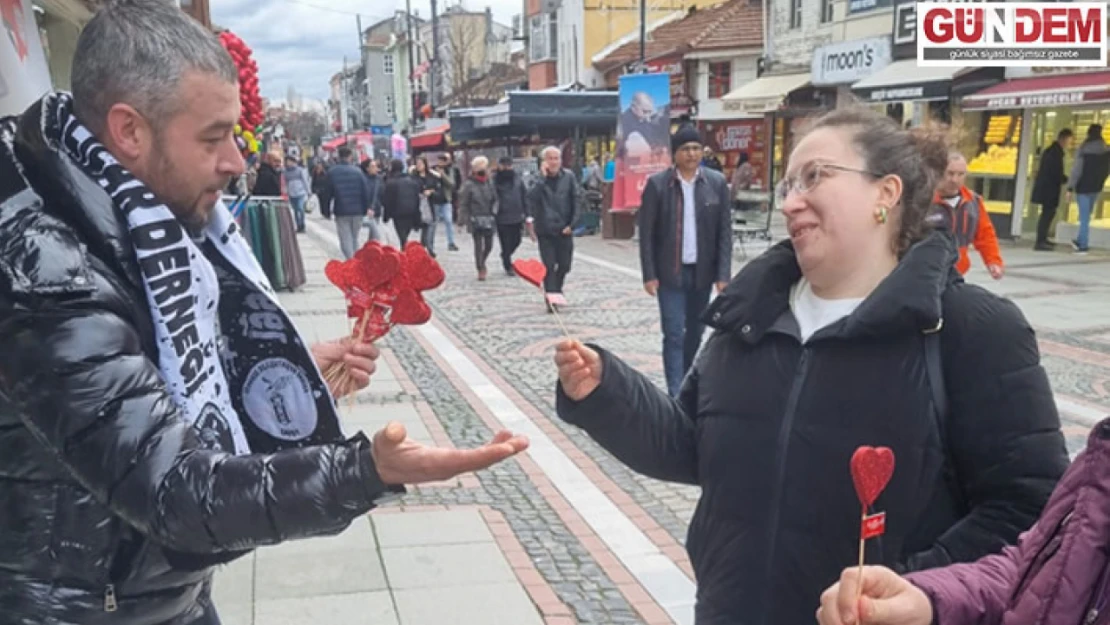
[811,175]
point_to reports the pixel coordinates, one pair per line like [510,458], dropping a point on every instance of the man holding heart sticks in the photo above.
[160,414]
[856,331]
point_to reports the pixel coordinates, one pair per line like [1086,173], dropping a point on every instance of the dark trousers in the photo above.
[508,236]
[680,311]
[483,245]
[556,252]
[404,228]
[1048,213]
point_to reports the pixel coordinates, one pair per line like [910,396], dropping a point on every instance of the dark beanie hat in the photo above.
[686,133]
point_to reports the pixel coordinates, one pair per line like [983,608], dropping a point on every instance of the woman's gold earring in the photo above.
[881,214]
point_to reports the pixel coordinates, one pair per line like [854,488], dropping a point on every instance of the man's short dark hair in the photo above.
[396,166]
[344,153]
[505,160]
[1065,134]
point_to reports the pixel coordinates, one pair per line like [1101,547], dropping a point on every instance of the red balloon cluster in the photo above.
[249,97]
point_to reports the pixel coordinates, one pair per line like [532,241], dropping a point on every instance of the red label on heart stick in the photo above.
[872,468]
[873,526]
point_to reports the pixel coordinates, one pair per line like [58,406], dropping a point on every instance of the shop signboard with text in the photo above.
[24,75]
[862,6]
[730,139]
[643,135]
[850,61]
[903,37]
[1006,34]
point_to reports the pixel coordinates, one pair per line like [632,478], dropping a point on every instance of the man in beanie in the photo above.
[685,248]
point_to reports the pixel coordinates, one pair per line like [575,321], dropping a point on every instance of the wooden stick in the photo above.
[862,543]
[558,318]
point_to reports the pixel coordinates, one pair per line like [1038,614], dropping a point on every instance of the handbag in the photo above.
[481,222]
[311,204]
[425,211]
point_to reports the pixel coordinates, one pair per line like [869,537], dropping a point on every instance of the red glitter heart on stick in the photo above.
[872,468]
[532,270]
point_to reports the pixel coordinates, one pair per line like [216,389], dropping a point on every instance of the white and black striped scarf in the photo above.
[232,360]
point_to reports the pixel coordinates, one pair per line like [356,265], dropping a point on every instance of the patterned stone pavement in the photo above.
[502,326]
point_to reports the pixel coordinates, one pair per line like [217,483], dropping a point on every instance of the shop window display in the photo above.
[1046,124]
[993,143]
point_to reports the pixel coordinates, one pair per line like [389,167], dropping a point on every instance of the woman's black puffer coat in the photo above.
[106,496]
[766,426]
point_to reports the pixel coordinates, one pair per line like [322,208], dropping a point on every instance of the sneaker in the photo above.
[1044,246]
[1080,251]
[558,299]
[510,272]
[452,248]
[482,275]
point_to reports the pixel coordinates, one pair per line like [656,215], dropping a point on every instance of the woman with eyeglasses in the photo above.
[855,331]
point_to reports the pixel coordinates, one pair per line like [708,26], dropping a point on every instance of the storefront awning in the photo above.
[763,94]
[904,80]
[1042,92]
[429,139]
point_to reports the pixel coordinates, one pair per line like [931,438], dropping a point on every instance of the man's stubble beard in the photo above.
[188,210]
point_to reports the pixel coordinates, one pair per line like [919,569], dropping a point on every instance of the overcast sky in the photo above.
[302,42]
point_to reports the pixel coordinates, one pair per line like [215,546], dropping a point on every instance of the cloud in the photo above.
[302,42]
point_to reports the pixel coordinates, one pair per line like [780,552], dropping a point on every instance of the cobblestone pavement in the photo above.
[502,322]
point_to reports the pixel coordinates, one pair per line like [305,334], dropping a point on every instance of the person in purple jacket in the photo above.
[1058,574]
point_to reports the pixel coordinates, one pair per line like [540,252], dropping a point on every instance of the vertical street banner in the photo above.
[24,75]
[643,135]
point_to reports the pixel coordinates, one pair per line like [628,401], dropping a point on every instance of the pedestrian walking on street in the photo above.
[428,184]
[858,330]
[512,201]
[320,189]
[268,181]
[1088,178]
[352,200]
[373,219]
[443,198]
[297,186]
[401,201]
[1046,187]
[553,206]
[478,209]
[161,413]
[963,214]
[685,223]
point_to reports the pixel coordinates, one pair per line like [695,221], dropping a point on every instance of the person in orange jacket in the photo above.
[963,213]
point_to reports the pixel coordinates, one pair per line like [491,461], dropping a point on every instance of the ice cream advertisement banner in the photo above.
[643,135]
[24,75]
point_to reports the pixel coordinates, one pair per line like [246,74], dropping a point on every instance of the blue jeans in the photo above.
[297,203]
[1086,203]
[680,311]
[442,214]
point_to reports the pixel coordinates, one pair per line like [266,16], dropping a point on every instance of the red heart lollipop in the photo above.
[421,271]
[872,468]
[531,270]
[410,309]
[338,274]
[376,267]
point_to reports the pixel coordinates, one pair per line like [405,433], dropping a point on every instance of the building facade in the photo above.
[470,44]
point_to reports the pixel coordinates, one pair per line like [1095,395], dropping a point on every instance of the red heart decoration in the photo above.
[410,309]
[337,273]
[872,468]
[531,270]
[421,271]
[375,267]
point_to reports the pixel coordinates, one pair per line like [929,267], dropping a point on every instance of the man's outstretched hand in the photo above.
[401,460]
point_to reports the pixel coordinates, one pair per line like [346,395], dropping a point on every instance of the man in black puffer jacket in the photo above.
[119,490]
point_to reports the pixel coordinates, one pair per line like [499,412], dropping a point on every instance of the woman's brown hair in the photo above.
[918,156]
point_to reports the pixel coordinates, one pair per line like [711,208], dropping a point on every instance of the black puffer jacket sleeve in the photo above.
[637,422]
[74,369]
[1003,429]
